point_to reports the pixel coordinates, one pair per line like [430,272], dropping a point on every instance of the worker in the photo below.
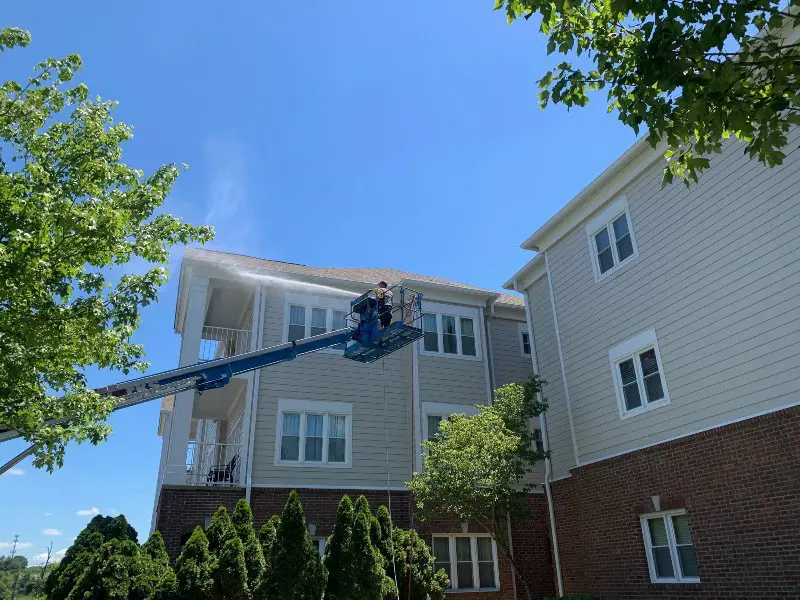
[385,299]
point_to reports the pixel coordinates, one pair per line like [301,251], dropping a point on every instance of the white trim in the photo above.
[457,312]
[473,539]
[760,413]
[483,324]
[603,220]
[666,516]
[561,361]
[523,329]
[256,341]
[631,349]
[417,410]
[293,486]
[326,409]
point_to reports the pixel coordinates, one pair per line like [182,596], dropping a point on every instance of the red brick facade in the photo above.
[740,486]
[181,509]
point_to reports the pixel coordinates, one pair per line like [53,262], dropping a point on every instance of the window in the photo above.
[431,332]
[308,316]
[670,551]
[524,340]
[470,560]
[297,323]
[451,334]
[537,439]
[433,426]
[319,544]
[313,433]
[638,374]
[611,238]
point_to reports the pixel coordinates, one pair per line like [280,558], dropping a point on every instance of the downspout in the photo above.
[256,378]
[548,466]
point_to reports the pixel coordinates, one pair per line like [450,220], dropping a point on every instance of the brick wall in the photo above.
[740,486]
[181,509]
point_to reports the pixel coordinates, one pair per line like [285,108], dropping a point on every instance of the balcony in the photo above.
[222,342]
[213,464]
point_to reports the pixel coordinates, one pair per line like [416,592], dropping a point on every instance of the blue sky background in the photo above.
[296,123]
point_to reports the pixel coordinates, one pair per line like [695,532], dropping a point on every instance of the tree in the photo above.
[151,568]
[475,470]
[296,571]
[694,72]
[109,574]
[81,553]
[367,565]
[70,211]
[219,531]
[266,539]
[415,568]
[194,569]
[338,551]
[242,519]
[230,575]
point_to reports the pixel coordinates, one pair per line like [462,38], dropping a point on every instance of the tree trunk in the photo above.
[515,572]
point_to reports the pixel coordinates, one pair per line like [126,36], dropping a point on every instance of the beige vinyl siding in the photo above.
[717,277]
[558,430]
[453,380]
[329,377]
[510,366]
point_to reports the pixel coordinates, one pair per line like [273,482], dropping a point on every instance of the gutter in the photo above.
[548,465]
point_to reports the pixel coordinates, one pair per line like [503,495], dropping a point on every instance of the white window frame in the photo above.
[473,540]
[316,407]
[631,348]
[523,330]
[604,220]
[323,541]
[673,547]
[457,312]
[310,302]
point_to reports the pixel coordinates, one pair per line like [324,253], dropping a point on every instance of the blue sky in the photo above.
[311,134]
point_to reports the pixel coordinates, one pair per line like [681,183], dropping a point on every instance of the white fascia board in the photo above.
[534,270]
[441,292]
[607,186]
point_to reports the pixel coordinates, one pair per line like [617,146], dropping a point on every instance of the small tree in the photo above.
[219,531]
[338,552]
[415,568]
[152,565]
[230,576]
[266,539]
[109,575]
[194,569]
[475,470]
[296,571]
[242,519]
[367,564]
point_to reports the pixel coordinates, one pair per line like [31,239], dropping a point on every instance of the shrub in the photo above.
[296,571]
[194,569]
[231,573]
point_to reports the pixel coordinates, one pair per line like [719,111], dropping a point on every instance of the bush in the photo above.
[296,571]
[194,569]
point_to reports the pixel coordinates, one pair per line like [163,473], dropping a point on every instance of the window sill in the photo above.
[474,591]
[658,583]
[615,269]
[317,465]
[447,355]
[645,409]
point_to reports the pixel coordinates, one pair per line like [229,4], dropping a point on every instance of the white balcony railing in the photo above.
[221,342]
[213,464]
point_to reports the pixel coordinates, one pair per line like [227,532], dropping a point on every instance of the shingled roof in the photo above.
[364,275]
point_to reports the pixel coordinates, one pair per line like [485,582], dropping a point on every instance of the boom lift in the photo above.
[363,339]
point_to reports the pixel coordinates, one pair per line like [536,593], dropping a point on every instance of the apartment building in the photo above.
[667,323]
[327,426]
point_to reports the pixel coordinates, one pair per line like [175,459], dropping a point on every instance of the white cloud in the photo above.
[39,559]
[15,471]
[48,514]
[51,532]
[88,512]
[113,512]
[20,545]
